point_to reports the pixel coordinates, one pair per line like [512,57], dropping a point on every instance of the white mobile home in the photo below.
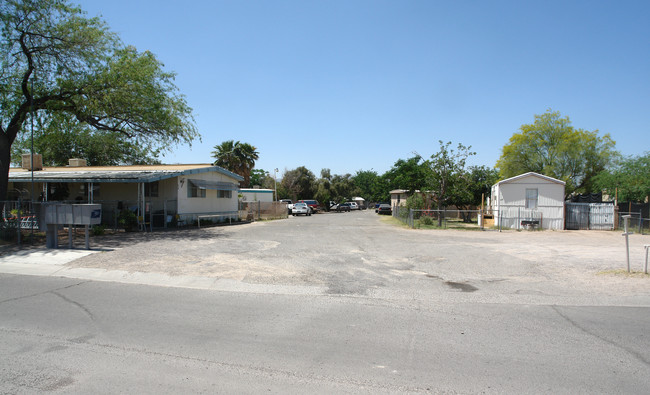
[528,199]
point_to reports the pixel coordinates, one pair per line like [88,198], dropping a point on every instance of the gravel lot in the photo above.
[363,254]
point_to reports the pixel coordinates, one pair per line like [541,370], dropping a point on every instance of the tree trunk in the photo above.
[5,163]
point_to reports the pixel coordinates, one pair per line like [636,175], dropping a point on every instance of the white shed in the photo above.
[256,195]
[528,199]
[398,197]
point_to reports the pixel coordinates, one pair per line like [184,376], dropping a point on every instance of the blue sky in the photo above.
[356,85]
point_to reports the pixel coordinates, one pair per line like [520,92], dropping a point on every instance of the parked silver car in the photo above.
[300,208]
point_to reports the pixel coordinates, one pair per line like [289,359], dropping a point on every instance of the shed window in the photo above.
[531,198]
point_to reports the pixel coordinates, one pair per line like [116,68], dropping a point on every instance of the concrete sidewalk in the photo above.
[40,261]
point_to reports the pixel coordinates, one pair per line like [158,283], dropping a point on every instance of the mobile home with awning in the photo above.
[156,193]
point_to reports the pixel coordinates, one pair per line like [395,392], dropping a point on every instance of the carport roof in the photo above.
[127,174]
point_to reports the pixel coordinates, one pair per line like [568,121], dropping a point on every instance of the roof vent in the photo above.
[27,162]
[74,162]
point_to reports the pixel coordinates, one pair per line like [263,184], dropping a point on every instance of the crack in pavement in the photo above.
[634,353]
[44,292]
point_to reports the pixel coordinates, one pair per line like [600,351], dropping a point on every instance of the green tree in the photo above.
[237,157]
[54,59]
[409,174]
[630,177]
[299,183]
[59,138]
[323,191]
[481,179]
[262,178]
[370,185]
[448,180]
[551,146]
[342,187]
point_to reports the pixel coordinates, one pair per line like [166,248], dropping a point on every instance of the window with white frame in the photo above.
[531,198]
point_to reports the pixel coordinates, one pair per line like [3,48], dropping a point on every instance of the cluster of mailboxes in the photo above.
[70,214]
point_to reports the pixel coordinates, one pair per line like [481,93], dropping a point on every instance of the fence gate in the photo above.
[590,216]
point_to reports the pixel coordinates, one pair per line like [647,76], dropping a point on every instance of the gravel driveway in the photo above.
[363,254]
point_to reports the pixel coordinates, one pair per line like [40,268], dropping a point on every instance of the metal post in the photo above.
[275,184]
[31,160]
[626,219]
[647,248]
[165,214]
[18,215]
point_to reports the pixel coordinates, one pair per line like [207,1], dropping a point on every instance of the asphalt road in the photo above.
[369,309]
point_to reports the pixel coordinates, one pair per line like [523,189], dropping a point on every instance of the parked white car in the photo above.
[353,205]
[300,208]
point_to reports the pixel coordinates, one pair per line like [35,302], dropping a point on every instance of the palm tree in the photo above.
[237,157]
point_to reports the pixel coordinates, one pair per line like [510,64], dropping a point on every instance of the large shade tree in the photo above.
[55,59]
[59,137]
[551,146]
[237,157]
[409,174]
[299,184]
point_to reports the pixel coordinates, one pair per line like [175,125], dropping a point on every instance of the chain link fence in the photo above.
[636,222]
[508,218]
[439,219]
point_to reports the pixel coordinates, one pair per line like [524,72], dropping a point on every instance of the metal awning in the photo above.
[217,185]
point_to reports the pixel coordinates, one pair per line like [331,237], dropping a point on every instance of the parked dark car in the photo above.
[384,209]
[343,207]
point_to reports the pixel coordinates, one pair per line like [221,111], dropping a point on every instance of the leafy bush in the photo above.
[99,230]
[428,221]
[415,202]
[127,220]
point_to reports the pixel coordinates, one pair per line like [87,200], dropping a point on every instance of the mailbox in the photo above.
[72,214]
[54,215]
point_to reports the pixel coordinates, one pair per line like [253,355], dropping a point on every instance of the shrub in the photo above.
[415,202]
[99,230]
[127,220]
